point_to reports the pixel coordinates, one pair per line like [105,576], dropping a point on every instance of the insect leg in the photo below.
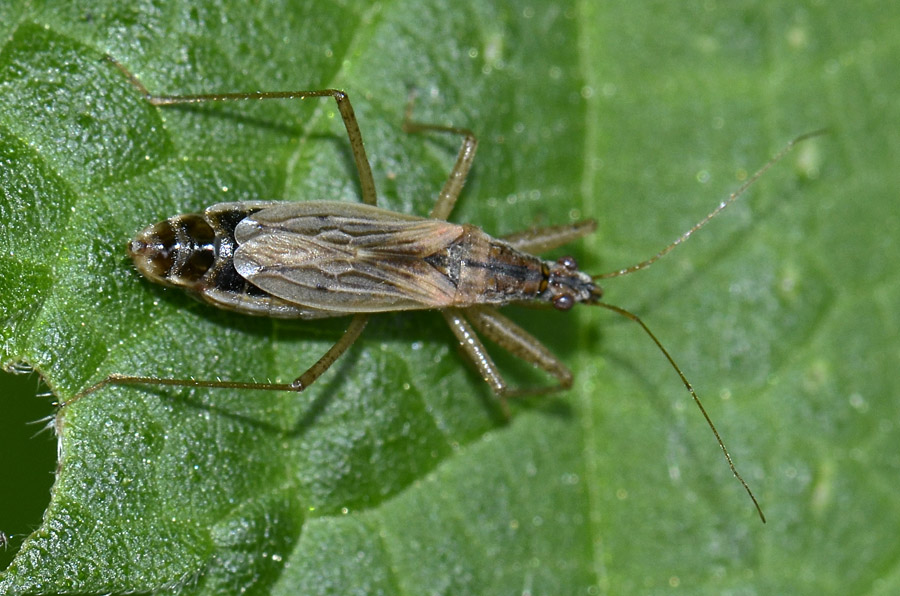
[510,337]
[521,344]
[477,353]
[541,240]
[366,182]
[452,187]
[357,324]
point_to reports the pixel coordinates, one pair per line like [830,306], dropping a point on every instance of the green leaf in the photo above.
[395,472]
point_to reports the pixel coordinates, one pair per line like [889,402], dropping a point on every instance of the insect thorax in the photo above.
[485,270]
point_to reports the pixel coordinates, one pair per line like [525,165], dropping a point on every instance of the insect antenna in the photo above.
[719,208]
[669,248]
[694,396]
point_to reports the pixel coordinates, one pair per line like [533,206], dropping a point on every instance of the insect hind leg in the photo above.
[454,184]
[357,324]
[364,170]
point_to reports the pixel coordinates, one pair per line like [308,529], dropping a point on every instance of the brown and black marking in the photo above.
[195,252]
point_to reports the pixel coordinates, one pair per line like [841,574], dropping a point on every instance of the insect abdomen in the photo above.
[175,252]
[195,252]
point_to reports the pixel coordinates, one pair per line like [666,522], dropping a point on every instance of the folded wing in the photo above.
[345,257]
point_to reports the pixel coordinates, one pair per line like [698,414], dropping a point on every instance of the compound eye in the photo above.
[563,302]
[568,262]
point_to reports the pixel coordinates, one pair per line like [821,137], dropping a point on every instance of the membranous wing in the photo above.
[345,257]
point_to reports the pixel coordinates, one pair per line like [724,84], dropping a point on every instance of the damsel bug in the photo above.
[317,259]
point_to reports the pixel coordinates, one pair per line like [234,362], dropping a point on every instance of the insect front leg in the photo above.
[366,181]
[521,344]
[453,186]
[478,354]
[509,336]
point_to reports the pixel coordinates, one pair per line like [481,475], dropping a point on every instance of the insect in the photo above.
[317,259]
